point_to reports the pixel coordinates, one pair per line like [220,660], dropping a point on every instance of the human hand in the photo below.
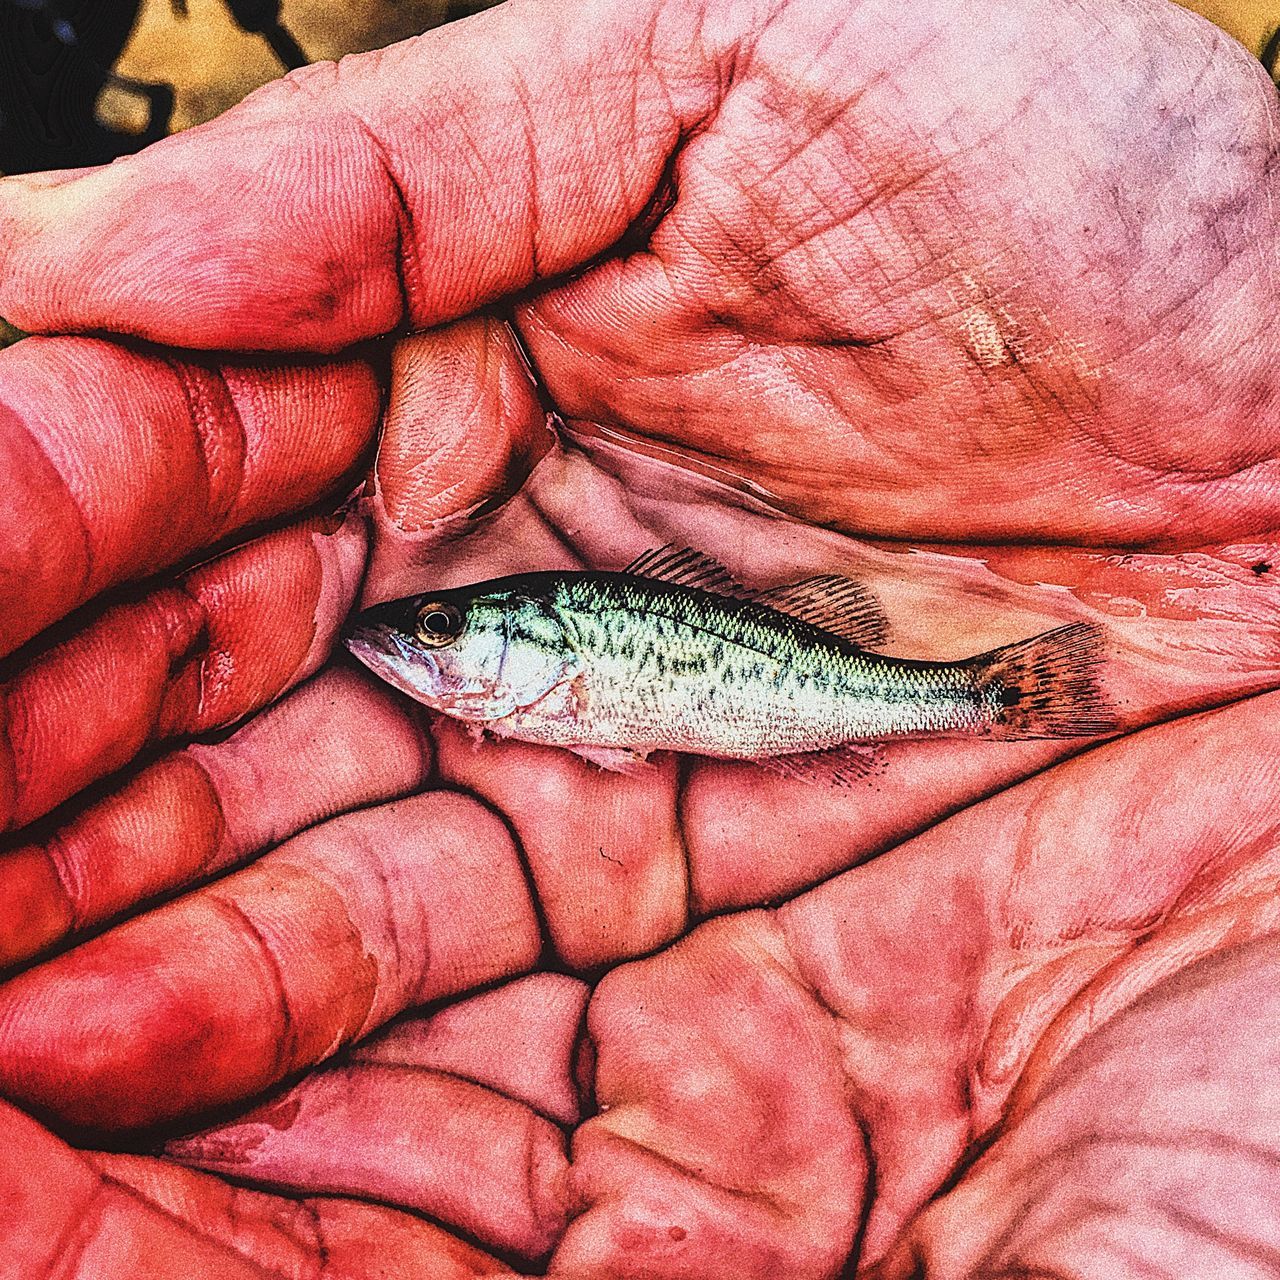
[916,279]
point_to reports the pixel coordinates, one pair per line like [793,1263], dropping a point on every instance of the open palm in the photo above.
[976,306]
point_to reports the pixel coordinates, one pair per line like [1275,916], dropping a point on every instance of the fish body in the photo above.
[672,653]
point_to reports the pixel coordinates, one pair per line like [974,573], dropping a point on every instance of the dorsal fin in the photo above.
[672,563]
[834,604]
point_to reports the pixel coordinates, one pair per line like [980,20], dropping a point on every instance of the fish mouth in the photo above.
[371,637]
[389,655]
[374,642]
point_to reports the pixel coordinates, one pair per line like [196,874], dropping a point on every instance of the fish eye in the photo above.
[439,623]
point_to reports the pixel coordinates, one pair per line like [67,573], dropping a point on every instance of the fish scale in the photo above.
[673,653]
[724,680]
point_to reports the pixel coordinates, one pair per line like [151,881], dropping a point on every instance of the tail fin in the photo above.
[1047,687]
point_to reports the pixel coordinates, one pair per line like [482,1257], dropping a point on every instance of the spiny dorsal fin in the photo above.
[833,603]
[672,563]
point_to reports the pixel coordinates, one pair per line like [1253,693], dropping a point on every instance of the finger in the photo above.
[470,1158]
[62,1216]
[1154,1139]
[604,850]
[522,1039]
[223,640]
[343,1239]
[271,969]
[121,463]
[417,182]
[338,743]
[447,1110]
[936,987]
[463,425]
[725,1141]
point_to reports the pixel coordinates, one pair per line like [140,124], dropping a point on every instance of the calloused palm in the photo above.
[973,304]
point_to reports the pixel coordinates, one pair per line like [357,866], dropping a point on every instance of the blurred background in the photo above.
[83,81]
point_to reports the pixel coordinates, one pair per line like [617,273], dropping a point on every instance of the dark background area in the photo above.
[84,81]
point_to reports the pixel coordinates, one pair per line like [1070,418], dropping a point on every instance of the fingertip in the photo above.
[341,553]
[604,850]
[304,425]
[520,1039]
[272,612]
[270,257]
[464,424]
[35,907]
[39,214]
[339,742]
[487,923]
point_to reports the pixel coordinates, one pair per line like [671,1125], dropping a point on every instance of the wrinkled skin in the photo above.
[975,303]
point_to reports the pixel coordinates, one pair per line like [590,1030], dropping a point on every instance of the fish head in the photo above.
[476,655]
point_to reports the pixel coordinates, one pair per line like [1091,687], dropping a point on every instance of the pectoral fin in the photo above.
[480,708]
[616,759]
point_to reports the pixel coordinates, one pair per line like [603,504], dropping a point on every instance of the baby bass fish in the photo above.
[673,654]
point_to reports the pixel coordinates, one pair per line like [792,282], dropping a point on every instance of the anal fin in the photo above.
[836,767]
[832,603]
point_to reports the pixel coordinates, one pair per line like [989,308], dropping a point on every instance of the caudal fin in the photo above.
[1047,687]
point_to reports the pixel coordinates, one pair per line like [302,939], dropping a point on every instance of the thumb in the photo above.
[411,184]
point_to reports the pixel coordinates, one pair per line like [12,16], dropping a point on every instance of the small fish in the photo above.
[673,654]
